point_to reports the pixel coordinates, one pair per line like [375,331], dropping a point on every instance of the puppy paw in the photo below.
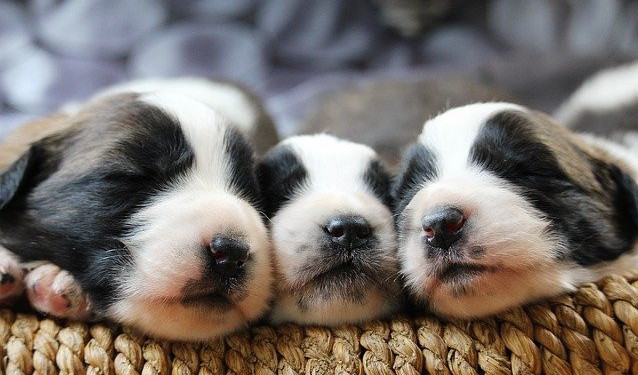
[52,290]
[11,277]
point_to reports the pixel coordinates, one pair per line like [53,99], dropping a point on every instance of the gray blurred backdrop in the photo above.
[292,52]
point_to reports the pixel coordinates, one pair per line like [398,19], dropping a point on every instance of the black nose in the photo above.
[442,227]
[349,232]
[229,255]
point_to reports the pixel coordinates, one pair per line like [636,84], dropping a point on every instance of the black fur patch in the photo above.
[419,166]
[594,233]
[280,175]
[379,181]
[240,154]
[74,217]
[11,178]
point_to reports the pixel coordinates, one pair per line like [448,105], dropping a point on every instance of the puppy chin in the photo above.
[333,310]
[505,257]
[172,320]
[495,292]
[171,273]
[314,285]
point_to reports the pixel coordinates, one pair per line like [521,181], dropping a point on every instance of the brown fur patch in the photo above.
[19,141]
[61,125]
[571,152]
[574,153]
[575,157]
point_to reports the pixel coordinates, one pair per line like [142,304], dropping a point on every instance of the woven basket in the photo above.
[593,331]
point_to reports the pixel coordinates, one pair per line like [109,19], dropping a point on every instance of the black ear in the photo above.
[241,156]
[419,166]
[13,176]
[379,180]
[625,200]
[280,173]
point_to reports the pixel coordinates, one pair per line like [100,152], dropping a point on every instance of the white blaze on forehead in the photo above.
[451,134]
[204,130]
[604,91]
[170,233]
[335,185]
[332,163]
[524,259]
[227,99]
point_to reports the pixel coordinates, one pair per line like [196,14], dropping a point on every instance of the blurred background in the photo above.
[295,52]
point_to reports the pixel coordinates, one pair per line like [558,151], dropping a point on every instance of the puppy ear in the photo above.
[418,167]
[625,201]
[35,165]
[12,178]
[279,173]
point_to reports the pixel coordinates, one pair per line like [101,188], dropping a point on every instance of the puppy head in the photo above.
[499,206]
[231,100]
[332,230]
[150,200]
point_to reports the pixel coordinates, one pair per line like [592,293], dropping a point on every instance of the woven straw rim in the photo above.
[592,331]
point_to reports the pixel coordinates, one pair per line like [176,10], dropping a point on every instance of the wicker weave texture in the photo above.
[593,331]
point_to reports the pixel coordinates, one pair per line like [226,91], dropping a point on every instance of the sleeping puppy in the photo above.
[146,198]
[499,205]
[332,229]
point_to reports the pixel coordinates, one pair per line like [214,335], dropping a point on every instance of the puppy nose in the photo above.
[350,232]
[442,227]
[229,255]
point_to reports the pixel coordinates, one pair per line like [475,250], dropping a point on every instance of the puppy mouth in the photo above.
[342,269]
[197,293]
[210,299]
[462,272]
[345,274]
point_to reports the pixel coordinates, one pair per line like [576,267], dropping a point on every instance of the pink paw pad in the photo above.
[54,291]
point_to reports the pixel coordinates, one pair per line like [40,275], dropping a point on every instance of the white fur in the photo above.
[332,163]
[513,234]
[603,92]
[451,134]
[171,230]
[335,187]
[228,100]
